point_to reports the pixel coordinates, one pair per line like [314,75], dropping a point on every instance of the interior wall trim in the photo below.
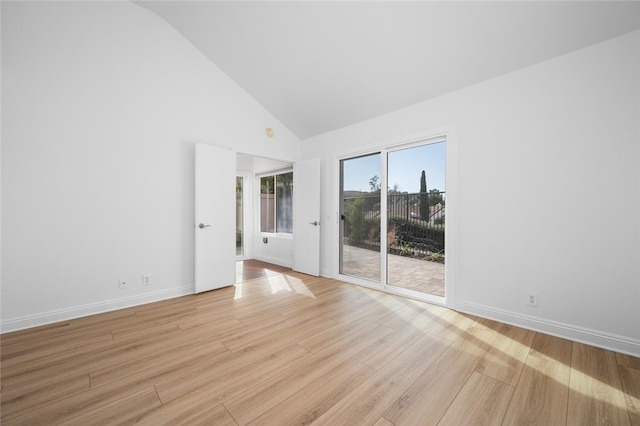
[274,260]
[609,341]
[29,321]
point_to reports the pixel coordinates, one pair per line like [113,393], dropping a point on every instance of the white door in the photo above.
[215,218]
[306,216]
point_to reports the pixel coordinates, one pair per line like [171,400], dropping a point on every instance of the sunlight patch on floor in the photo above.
[284,283]
[239,291]
[298,286]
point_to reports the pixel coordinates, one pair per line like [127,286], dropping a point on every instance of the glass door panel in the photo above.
[416,218]
[239,216]
[360,217]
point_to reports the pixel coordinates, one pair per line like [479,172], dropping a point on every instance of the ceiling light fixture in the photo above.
[269,132]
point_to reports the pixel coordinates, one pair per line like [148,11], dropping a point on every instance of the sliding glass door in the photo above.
[360,217]
[416,217]
[239,216]
[392,218]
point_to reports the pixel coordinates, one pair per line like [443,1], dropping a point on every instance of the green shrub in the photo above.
[356,220]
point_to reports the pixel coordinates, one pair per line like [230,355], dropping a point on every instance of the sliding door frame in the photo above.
[446,135]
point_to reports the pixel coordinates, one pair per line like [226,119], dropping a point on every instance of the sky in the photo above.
[405,168]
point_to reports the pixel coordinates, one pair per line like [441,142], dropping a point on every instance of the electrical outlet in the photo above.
[146,280]
[533,300]
[123,283]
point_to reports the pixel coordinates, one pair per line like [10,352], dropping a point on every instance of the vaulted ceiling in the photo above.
[319,66]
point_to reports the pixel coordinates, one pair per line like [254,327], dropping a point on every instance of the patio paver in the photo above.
[405,272]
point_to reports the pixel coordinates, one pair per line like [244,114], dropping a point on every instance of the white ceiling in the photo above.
[319,66]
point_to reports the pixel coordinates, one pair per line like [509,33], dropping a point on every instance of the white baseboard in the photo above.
[275,261]
[50,317]
[600,339]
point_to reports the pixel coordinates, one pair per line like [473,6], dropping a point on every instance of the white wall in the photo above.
[101,106]
[548,197]
[277,250]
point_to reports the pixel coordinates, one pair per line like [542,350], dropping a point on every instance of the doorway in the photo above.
[281,212]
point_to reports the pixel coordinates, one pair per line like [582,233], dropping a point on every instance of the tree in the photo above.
[267,185]
[435,197]
[373,183]
[356,221]
[424,197]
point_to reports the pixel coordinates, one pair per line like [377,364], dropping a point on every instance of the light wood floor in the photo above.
[288,349]
[251,269]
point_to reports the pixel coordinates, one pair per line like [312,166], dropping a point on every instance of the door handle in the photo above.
[314,223]
[202,226]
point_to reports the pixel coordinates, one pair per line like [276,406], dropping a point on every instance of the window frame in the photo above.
[259,178]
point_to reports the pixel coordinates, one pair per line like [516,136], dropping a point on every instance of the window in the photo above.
[276,203]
